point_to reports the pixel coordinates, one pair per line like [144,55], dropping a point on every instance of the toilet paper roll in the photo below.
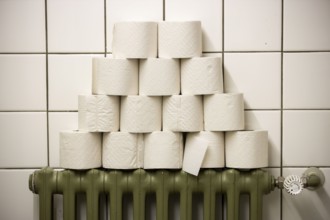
[159,77]
[183,113]
[115,76]
[201,76]
[224,112]
[163,150]
[140,114]
[122,150]
[179,39]
[98,113]
[215,153]
[134,40]
[246,149]
[80,150]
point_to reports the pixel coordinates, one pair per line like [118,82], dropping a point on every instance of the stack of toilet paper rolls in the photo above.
[158,104]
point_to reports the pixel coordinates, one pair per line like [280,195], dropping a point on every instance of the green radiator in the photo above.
[113,183]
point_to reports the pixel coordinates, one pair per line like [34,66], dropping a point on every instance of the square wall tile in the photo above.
[306,138]
[23,141]
[22,25]
[68,77]
[209,12]
[17,202]
[131,10]
[271,122]
[22,82]
[306,25]
[76,26]
[257,76]
[252,25]
[306,80]
[59,121]
[309,204]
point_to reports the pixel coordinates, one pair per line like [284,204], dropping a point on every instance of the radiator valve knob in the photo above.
[293,184]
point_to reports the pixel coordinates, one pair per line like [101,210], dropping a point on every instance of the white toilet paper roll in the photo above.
[134,40]
[98,113]
[179,39]
[201,76]
[224,112]
[246,149]
[215,153]
[80,150]
[163,150]
[115,76]
[183,113]
[140,114]
[159,77]
[122,150]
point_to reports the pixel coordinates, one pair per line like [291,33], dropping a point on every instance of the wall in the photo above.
[276,52]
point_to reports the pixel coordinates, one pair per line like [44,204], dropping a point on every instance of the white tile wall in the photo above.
[306,25]
[306,80]
[257,76]
[69,76]
[23,82]
[22,25]
[209,12]
[23,139]
[252,25]
[75,26]
[277,55]
[17,201]
[306,138]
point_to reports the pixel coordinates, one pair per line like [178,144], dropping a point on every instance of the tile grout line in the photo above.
[281,140]
[108,52]
[163,10]
[47,80]
[223,82]
[105,28]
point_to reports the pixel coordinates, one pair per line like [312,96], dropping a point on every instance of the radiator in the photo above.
[227,182]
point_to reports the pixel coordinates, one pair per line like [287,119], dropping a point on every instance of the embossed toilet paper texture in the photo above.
[246,149]
[183,113]
[98,113]
[159,77]
[134,40]
[201,76]
[224,112]
[115,76]
[80,150]
[215,153]
[141,114]
[122,150]
[179,39]
[163,150]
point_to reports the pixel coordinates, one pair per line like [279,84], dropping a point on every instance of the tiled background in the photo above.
[276,52]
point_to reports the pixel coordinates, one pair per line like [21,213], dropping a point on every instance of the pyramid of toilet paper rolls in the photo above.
[158,104]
